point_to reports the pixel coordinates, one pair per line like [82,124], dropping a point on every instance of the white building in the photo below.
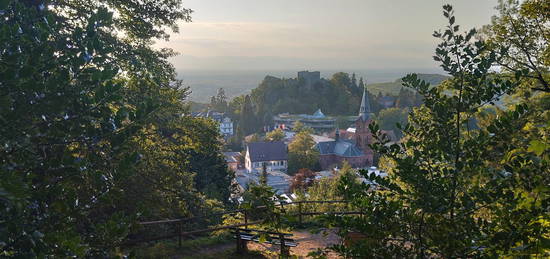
[226,127]
[273,155]
[225,123]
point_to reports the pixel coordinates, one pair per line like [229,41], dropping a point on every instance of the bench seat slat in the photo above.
[273,238]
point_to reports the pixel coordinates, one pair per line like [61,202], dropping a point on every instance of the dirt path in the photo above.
[307,242]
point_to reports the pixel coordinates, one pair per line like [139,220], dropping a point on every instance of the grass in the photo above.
[390,87]
[229,254]
[207,247]
[171,249]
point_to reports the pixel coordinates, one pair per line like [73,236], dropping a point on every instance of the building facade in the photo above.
[232,160]
[317,121]
[272,155]
[310,78]
[225,123]
[226,126]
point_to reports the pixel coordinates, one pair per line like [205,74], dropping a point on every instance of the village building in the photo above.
[225,123]
[318,121]
[386,101]
[279,181]
[354,150]
[232,160]
[272,155]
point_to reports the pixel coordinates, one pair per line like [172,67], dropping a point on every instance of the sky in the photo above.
[316,34]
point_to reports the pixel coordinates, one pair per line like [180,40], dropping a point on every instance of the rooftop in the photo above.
[231,157]
[342,147]
[267,151]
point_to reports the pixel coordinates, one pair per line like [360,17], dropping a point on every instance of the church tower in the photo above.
[363,136]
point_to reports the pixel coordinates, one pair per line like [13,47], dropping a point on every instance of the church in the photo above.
[355,151]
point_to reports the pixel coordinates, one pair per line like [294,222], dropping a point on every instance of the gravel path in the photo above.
[307,242]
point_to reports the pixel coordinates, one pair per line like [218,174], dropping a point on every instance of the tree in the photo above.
[521,28]
[454,191]
[275,135]
[343,122]
[254,138]
[388,119]
[247,118]
[302,180]
[219,101]
[198,182]
[263,176]
[405,99]
[302,153]
[80,88]
[300,127]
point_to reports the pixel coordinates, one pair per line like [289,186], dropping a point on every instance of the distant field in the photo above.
[394,87]
[389,87]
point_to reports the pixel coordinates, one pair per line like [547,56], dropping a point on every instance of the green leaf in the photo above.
[4,4]
[262,238]
[537,147]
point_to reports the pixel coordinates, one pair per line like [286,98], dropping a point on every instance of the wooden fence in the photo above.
[179,233]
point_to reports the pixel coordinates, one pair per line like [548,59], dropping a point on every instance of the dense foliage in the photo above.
[388,119]
[454,191]
[91,133]
[275,135]
[302,153]
[302,179]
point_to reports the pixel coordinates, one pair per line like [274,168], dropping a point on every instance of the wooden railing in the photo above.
[180,233]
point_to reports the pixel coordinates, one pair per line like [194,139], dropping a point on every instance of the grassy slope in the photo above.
[394,87]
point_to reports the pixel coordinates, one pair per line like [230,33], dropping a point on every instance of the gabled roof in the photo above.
[217,116]
[343,147]
[267,151]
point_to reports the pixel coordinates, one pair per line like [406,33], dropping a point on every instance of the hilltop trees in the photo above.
[454,191]
[335,96]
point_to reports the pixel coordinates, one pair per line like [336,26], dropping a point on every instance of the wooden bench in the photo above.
[243,235]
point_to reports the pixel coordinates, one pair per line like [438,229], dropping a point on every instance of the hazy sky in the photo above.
[316,34]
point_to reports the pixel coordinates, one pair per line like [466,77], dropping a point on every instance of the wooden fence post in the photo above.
[238,238]
[180,226]
[284,252]
[300,212]
[245,219]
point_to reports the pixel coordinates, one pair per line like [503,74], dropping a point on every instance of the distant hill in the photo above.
[205,84]
[393,88]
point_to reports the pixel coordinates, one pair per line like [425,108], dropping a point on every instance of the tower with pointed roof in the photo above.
[363,136]
[364,109]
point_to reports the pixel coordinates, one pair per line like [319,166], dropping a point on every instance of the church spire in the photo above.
[364,110]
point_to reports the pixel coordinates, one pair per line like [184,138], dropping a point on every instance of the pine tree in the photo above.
[247,119]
